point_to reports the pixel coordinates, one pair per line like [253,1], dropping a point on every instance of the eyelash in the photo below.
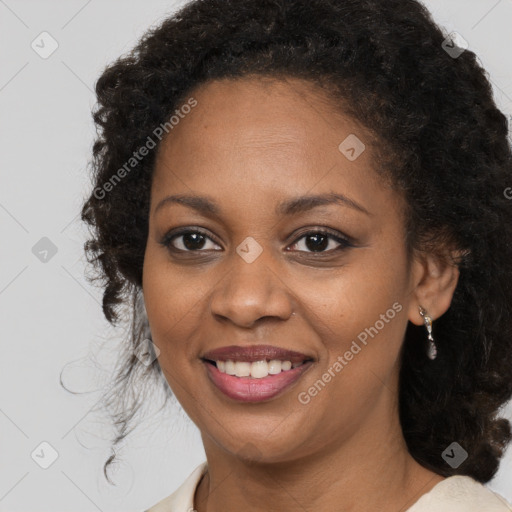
[169,238]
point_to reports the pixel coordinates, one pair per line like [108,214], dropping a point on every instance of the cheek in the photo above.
[359,311]
[360,318]
[172,301]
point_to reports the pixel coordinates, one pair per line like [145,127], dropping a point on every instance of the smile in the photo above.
[255,389]
[256,369]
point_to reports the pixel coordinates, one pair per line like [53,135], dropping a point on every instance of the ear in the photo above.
[433,279]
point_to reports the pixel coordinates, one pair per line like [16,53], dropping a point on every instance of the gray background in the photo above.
[51,317]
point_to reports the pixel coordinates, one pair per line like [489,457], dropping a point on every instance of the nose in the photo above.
[250,292]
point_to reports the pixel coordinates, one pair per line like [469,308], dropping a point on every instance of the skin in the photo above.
[250,144]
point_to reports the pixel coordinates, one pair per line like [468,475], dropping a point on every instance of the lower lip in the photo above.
[246,389]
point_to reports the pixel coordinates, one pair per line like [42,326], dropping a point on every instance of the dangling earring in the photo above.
[432,349]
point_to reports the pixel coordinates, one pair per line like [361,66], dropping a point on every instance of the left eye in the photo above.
[318,241]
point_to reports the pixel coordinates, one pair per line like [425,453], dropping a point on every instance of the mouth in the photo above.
[256,369]
[255,374]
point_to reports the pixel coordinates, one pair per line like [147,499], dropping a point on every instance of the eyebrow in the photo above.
[208,206]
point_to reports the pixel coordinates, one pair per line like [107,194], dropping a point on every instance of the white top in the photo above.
[453,494]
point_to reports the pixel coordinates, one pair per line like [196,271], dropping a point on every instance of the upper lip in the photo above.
[255,353]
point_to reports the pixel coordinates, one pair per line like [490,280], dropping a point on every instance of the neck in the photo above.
[391,489]
[369,470]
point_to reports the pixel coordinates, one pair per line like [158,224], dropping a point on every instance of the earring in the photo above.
[432,349]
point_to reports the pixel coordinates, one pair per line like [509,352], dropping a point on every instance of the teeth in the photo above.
[229,367]
[256,369]
[274,367]
[242,369]
[259,369]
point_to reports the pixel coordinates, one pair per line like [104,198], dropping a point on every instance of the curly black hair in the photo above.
[442,142]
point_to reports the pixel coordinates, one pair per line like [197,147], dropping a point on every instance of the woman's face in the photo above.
[259,273]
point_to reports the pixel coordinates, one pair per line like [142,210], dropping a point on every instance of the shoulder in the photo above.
[182,499]
[461,494]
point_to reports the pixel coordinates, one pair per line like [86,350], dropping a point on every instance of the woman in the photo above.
[304,202]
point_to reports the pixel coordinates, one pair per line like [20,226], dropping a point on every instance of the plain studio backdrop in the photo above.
[51,316]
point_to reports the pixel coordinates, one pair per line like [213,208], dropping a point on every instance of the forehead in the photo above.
[256,136]
[268,111]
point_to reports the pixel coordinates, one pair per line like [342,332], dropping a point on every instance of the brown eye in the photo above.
[319,241]
[187,241]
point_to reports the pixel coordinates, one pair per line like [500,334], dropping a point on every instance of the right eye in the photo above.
[190,240]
